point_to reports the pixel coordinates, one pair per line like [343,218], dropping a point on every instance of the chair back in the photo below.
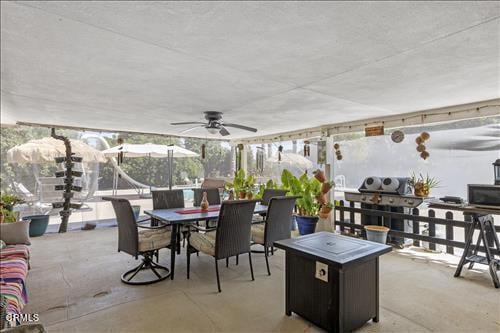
[278,218]
[213,196]
[271,193]
[234,228]
[213,183]
[167,199]
[128,238]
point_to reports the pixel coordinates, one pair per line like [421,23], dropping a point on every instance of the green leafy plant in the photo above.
[262,187]
[422,185]
[8,201]
[429,182]
[308,188]
[241,183]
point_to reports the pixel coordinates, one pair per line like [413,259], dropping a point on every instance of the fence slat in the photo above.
[342,219]
[416,225]
[449,232]
[432,229]
[352,217]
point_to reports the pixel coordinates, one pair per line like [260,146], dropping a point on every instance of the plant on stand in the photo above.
[242,185]
[7,203]
[311,199]
[422,185]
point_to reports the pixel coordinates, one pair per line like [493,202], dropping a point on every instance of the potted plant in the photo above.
[242,185]
[325,210]
[327,186]
[422,185]
[320,175]
[307,205]
[7,203]
[249,186]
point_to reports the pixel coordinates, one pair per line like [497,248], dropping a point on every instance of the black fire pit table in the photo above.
[332,280]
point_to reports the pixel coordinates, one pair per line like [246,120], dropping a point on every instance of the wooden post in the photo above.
[66,211]
[416,226]
[352,218]
[341,204]
[449,232]
[432,229]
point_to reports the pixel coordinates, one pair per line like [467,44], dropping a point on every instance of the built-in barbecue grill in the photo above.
[391,194]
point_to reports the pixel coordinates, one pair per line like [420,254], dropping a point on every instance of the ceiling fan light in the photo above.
[212,130]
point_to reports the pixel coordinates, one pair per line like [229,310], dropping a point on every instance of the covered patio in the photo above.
[71,289]
[334,166]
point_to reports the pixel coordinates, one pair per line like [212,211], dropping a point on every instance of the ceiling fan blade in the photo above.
[191,128]
[223,131]
[246,128]
[188,123]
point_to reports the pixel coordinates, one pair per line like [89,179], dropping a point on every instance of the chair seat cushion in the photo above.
[153,239]
[203,242]
[258,233]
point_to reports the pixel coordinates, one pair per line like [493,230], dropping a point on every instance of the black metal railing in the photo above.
[349,225]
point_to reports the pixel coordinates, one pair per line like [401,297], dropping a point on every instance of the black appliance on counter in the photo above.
[390,194]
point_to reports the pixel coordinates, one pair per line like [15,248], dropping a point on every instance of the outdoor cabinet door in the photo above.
[309,297]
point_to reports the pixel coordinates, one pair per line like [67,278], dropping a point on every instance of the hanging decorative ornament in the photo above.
[280,150]
[307,148]
[120,141]
[260,159]
[203,151]
[421,148]
[338,153]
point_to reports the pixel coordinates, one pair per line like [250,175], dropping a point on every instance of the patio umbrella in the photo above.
[46,149]
[295,163]
[151,150]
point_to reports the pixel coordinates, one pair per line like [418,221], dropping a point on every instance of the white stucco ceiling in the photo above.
[276,66]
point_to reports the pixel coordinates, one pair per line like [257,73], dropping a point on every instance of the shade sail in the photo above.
[46,149]
[148,150]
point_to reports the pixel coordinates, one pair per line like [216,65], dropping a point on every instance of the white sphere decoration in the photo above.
[390,184]
[373,183]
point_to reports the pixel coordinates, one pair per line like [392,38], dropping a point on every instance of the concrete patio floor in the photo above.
[74,284]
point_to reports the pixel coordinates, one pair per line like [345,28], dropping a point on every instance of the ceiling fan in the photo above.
[215,124]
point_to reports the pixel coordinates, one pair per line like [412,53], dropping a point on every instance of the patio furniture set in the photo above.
[225,229]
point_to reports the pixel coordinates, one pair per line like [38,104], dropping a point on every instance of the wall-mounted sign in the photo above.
[374,130]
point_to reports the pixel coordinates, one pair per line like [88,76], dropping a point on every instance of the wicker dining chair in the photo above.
[146,242]
[168,199]
[270,193]
[266,197]
[231,236]
[276,226]
[213,196]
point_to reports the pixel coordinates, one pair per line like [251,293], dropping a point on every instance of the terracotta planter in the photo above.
[242,195]
[421,190]
[249,195]
[321,198]
[326,187]
[325,210]
[320,176]
[324,215]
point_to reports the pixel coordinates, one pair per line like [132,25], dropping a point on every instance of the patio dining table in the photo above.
[179,216]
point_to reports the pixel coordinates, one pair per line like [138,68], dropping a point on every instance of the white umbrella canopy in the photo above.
[148,150]
[47,149]
[295,163]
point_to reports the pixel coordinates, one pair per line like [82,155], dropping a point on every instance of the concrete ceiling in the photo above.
[276,66]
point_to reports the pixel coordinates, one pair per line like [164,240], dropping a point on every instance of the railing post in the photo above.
[341,204]
[352,218]
[449,232]
[432,230]
[416,225]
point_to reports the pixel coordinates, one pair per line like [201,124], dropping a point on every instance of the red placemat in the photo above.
[198,210]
